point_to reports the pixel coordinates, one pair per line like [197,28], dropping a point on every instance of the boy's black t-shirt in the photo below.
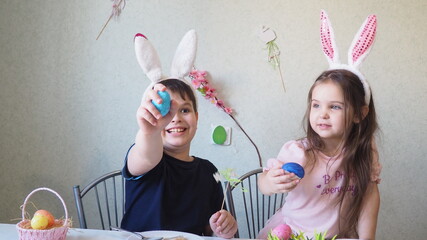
[174,195]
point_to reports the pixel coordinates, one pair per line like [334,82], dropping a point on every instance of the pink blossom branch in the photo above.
[201,84]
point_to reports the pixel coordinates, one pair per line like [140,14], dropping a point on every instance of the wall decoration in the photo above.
[221,135]
[268,36]
[230,176]
[201,84]
[118,6]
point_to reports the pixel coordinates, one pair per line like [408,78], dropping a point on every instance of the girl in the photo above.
[339,193]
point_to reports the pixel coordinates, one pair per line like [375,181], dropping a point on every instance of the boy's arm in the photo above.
[208,231]
[145,154]
[148,149]
[223,224]
[369,214]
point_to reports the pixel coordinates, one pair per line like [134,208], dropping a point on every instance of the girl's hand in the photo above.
[148,117]
[277,180]
[223,224]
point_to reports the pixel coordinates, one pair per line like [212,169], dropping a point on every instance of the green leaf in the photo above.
[229,175]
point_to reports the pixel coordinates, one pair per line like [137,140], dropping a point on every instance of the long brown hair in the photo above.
[357,142]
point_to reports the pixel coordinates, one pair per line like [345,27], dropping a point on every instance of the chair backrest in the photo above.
[249,206]
[101,201]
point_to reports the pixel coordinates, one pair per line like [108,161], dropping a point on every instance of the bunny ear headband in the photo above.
[182,62]
[359,49]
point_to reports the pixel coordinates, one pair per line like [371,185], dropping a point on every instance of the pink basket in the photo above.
[57,232]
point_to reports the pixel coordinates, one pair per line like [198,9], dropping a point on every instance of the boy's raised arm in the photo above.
[148,149]
[145,154]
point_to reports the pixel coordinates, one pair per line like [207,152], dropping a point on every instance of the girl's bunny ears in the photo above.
[182,62]
[357,52]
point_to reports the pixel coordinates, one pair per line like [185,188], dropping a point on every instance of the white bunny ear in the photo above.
[185,55]
[362,41]
[327,39]
[148,58]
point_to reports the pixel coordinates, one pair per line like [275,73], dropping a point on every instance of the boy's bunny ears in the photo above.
[182,62]
[357,52]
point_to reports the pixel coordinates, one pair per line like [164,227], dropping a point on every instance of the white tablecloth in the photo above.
[9,232]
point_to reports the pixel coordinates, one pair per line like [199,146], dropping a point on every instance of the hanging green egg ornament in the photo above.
[219,135]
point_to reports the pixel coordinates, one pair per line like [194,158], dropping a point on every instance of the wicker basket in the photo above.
[57,232]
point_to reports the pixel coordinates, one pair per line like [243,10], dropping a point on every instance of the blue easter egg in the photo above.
[295,168]
[165,106]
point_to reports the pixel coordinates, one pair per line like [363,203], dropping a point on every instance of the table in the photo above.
[9,232]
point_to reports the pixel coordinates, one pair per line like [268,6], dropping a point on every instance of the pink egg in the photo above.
[282,231]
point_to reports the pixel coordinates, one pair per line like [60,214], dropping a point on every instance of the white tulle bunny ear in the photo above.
[182,63]
[185,55]
[359,49]
[147,58]
[327,39]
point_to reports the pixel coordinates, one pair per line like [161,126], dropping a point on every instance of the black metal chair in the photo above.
[249,206]
[103,199]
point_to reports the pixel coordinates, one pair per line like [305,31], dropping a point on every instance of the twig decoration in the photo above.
[268,36]
[118,6]
[232,181]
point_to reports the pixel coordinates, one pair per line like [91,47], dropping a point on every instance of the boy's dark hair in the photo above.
[184,90]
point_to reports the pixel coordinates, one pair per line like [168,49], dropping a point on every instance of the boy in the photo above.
[166,188]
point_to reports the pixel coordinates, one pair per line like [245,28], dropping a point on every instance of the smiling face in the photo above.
[327,112]
[180,131]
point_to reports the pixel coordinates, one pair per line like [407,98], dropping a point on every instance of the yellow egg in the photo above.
[50,217]
[39,222]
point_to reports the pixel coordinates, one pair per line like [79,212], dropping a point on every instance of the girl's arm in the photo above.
[369,214]
[276,180]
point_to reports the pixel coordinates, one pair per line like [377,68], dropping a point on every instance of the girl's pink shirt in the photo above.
[311,206]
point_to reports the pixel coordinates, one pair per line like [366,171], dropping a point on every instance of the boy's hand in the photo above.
[148,117]
[223,224]
[280,181]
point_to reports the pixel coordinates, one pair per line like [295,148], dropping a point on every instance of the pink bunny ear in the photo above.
[362,41]
[327,39]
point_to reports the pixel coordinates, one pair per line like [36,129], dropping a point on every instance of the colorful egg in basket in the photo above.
[56,232]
